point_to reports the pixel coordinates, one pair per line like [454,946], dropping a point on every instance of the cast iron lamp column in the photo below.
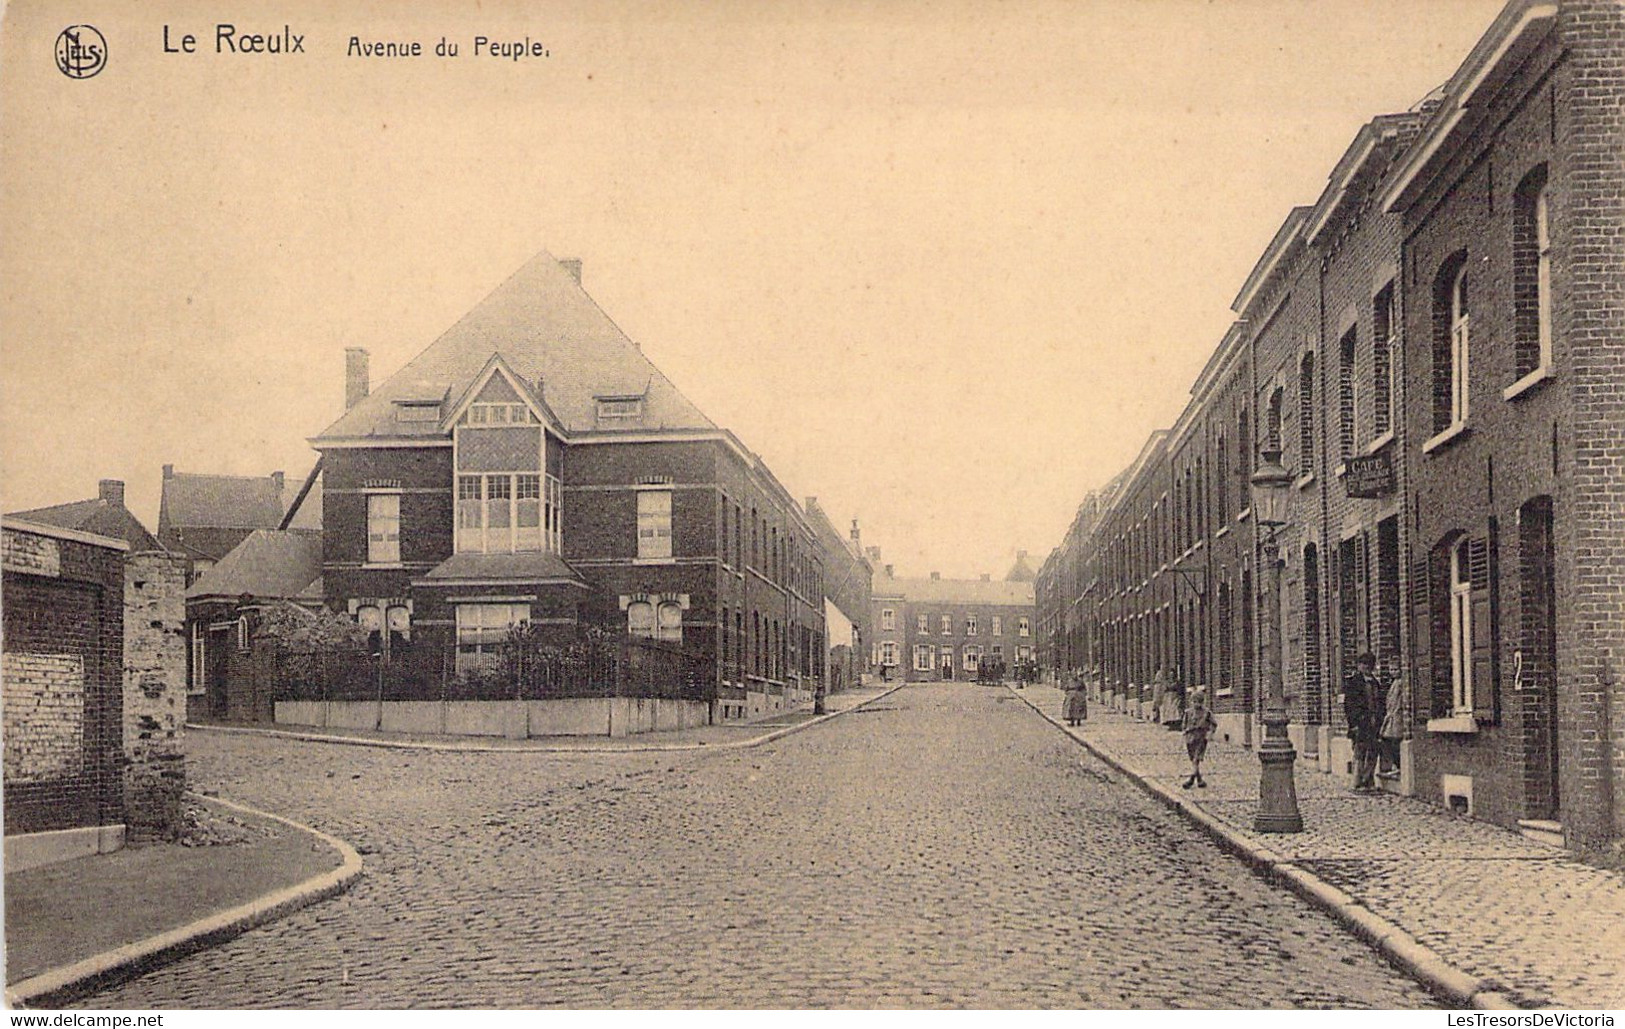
[1277,791]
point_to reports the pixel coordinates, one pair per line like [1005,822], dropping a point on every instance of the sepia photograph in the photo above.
[900,506]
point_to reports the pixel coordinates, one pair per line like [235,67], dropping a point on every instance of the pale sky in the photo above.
[943,265]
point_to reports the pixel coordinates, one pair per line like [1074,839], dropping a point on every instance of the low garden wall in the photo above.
[511,719]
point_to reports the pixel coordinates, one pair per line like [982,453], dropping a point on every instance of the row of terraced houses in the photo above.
[1436,349]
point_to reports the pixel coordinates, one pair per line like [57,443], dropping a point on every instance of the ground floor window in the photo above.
[923,653]
[888,654]
[972,658]
[481,628]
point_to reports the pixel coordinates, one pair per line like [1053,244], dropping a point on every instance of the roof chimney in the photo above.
[855,537]
[888,571]
[278,479]
[112,491]
[169,471]
[936,576]
[873,552]
[573,266]
[1021,555]
[987,577]
[357,376]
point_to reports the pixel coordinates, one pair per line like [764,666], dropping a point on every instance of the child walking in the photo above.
[1198,726]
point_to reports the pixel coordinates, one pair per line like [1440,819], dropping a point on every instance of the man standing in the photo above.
[1362,700]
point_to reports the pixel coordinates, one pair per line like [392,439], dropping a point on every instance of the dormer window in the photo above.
[417,410]
[612,410]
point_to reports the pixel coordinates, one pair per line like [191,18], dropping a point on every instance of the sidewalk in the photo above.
[77,926]
[1477,911]
[728,736]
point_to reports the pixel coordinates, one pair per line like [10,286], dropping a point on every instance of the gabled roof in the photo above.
[270,564]
[192,501]
[960,591]
[552,335]
[495,366]
[99,517]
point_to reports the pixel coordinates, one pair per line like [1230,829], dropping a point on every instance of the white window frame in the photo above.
[199,663]
[922,625]
[888,653]
[384,528]
[888,620]
[642,620]
[669,621]
[946,624]
[970,658]
[654,524]
[971,625]
[925,656]
[481,629]
[998,625]
[619,409]
[1024,627]
[479,536]
[1460,350]
[1461,629]
[489,413]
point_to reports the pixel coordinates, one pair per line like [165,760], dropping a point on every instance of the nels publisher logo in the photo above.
[81,52]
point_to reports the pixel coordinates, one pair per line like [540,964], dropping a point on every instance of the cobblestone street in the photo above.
[945,847]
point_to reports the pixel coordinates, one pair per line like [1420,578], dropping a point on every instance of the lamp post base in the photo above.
[1277,790]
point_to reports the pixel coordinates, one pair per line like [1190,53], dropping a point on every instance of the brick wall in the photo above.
[63,713]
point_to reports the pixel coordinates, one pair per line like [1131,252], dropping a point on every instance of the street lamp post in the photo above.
[1277,791]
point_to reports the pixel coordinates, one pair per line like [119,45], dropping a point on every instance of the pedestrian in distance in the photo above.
[1362,708]
[1076,708]
[1393,730]
[1198,725]
[1159,690]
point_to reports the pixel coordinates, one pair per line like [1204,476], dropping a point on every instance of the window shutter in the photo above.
[1437,573]
[1486,688]
[1421,619]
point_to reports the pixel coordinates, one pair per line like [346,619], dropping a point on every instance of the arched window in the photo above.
[1348,418]
[1306,412]
[1382,363]
[670,621]
[1272,424]
[640,618]
[1451,345]
[1532,274]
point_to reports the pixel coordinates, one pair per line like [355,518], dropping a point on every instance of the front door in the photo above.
[221,640]
[947,663]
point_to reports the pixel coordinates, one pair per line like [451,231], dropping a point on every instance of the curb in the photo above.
[486,748]
[1399,947]
[61,986]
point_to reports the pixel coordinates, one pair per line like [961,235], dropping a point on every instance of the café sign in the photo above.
[1371,476]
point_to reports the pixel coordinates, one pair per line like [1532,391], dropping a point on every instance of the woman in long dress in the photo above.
[1077,701]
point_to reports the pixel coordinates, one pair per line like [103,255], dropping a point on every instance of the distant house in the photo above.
[936,628]
[223,610]
[202,517]
[60,641]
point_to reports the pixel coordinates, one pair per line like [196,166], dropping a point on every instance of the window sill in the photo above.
[1460,724]
[1305,480]
[383,564]
[1380,442]
[1454,432]
[1245,514]
[654,560]
[1224,530]
[1527,383]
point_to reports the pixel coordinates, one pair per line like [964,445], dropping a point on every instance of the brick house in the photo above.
[1434,349]
[63,677]
[203,516]
[942,628]
[848,581]
[532,466]
[153,694]
[232,673]
[1511,200]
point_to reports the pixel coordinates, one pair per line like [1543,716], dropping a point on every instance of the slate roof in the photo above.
[524,567]
[193,501]
[102,517]
[554,336]
[957,591]
[269,564]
